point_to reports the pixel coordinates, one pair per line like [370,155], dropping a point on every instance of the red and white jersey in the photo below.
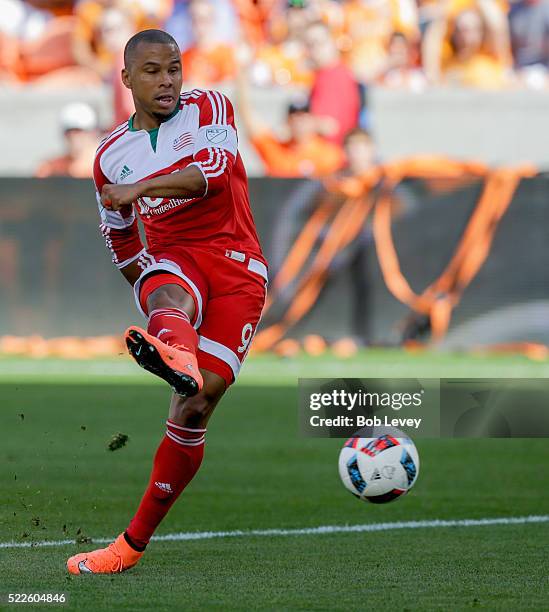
[201,132]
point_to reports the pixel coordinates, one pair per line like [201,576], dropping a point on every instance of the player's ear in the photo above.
[126,78]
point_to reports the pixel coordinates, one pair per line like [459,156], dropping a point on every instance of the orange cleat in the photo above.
[117,557]
[177,366]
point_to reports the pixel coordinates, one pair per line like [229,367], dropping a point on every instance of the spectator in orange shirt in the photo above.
[207,61]
[59,8]
[253,16]
[284,60]
[367,29]
[9,57]
[32,40]
[89,45]
[469,47]
[401,68]
[304,154]
[81,132]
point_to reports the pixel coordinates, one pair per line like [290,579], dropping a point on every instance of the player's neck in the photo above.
[144,121]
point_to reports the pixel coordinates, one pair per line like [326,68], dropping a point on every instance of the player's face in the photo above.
[155,78]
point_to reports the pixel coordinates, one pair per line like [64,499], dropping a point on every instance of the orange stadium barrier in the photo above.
[439,299]
[344,227]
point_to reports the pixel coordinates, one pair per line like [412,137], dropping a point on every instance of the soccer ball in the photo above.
[379,469]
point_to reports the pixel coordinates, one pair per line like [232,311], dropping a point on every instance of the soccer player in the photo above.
[200,282]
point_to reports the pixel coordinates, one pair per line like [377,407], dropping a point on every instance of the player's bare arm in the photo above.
[187,183]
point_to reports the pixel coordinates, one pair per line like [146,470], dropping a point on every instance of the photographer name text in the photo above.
[363,421]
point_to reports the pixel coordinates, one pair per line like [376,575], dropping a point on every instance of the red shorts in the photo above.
[228,289]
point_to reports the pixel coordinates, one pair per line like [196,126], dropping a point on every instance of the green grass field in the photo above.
[59,482]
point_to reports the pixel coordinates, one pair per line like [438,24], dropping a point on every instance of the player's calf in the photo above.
[195,412]
[177,459]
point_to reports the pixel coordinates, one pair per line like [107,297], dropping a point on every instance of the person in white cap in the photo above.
[79,123]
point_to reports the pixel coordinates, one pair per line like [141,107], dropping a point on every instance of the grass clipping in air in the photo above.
[119,440]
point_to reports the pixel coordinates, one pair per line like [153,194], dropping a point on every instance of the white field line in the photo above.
[326,529]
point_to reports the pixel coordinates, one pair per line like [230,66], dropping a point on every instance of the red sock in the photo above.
[173,327]
[176,462]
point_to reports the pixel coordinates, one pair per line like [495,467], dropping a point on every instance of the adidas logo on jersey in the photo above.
[125,173]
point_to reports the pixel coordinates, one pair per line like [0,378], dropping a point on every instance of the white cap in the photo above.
[78,116]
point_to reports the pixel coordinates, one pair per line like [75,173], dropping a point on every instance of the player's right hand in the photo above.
[116,197]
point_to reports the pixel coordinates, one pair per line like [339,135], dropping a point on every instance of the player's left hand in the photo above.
[116,197]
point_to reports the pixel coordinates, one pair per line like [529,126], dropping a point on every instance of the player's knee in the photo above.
[171,296]
[165,298]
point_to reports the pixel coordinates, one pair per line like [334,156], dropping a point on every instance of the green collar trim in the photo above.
[153,134]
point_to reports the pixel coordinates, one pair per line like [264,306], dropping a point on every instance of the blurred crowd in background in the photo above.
[399,43]
[330,50]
